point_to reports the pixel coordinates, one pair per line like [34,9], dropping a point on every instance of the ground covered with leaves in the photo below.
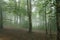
[6,34]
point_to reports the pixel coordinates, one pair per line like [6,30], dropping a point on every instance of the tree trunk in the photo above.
[58,18]
[1,17]
[29,14]
[45,17]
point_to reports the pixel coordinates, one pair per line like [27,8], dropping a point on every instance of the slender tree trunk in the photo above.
[18,5]
[19,11]
[1,17]
[58,18]
[29,14]
[46,23]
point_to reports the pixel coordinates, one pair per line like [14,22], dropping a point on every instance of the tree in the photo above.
[1,14]
[29,14]
[58,18]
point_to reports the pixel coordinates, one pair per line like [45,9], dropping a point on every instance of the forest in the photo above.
[29,15]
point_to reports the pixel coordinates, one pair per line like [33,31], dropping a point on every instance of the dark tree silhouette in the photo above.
[58,18]
[29,14]
[1,17]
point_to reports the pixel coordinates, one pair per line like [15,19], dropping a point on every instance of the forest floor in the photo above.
[11,34]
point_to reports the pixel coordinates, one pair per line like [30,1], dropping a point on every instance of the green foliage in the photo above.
[17,11]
